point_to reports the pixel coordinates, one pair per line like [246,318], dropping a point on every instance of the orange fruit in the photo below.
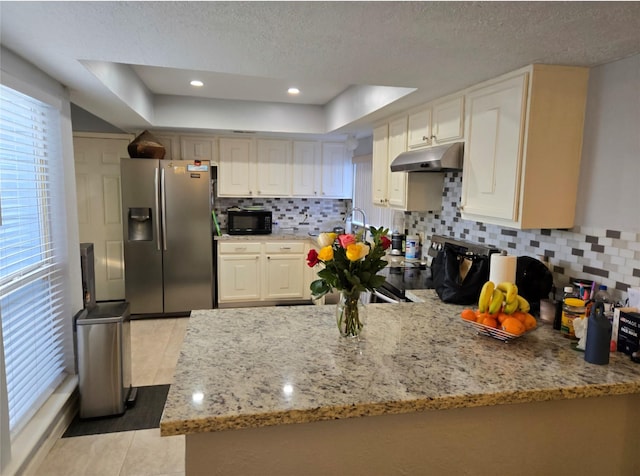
[513,326]
[519,315]
[468,315]
[490,322]
[482,316]
[530,322]
[502,316]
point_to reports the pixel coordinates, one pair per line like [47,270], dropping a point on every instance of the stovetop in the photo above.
[399,279]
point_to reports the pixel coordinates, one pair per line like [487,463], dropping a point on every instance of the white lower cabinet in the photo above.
[284,269]
[262,273]
[239,266]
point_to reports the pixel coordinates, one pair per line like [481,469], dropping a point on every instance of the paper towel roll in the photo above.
[502,268]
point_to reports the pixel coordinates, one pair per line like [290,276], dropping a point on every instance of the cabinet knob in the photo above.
[268,257]
[434,138]
[425,138]
[250,192]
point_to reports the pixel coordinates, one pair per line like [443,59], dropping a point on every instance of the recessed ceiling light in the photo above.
[293,91]
[197,83]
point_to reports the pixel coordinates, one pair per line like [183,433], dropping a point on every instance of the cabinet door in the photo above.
[380,166]
[235,171]
[171,144]
[448,120]
[419,134]
[337,171]
[284,276]
[397,186]
[492,163]
[305,169]
[198,148]
[273,168]
[238,278]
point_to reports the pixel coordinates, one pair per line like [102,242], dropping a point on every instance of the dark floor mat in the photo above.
[145,414]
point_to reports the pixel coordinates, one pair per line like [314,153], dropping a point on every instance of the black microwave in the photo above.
[248,222]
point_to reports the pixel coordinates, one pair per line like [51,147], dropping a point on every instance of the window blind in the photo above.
[32,286]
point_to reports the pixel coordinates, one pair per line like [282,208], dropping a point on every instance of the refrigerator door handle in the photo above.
[164,211]
[156,218]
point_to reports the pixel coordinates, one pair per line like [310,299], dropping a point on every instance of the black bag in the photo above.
[447,278]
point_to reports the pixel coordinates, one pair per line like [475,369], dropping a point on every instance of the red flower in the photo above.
[386,242]
[312,258]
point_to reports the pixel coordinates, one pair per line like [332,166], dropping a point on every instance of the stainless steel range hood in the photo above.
[442,158]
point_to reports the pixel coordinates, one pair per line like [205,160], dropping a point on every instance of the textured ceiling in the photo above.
[436,47]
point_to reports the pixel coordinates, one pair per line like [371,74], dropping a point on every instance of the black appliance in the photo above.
[409,275]
[249,222]
[399,279]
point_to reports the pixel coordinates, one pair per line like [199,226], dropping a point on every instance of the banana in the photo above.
[523,304]
[485,296]
[496,301]
[510,290]
[511,307]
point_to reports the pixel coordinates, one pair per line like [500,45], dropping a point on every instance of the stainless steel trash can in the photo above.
[104,359]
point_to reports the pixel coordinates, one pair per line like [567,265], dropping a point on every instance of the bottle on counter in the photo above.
[598,336]
[572,308]
[603,296]
[566,292]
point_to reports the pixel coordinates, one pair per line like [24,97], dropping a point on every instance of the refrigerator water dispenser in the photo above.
[140,225]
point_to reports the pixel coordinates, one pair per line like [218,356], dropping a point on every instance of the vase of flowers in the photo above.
[350,265]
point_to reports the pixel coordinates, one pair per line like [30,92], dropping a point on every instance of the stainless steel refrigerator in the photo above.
[168,253]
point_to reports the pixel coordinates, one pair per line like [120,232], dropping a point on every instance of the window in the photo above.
[32,253]
[362,195]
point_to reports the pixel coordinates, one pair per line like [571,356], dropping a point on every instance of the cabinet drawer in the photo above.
[239,247]
[284,247]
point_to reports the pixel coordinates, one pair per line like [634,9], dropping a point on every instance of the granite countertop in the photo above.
[419,295]
[255,367]
[294,235]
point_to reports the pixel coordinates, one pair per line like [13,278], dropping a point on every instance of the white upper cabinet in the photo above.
[236,169]
[198,148]
[419,134]
[436,123]
[273,168]
[337,171]
[397,182]
[282,168]
[380,165]
[401,190]
[448,120]
[306,168]
[524,139]
[171,143]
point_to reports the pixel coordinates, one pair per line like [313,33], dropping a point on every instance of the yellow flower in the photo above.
[326,239]
[326,253]
[357,251]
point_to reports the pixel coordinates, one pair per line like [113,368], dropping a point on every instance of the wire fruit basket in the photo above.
[497,333]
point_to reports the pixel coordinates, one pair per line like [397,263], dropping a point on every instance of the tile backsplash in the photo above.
[320,214]
[609,257]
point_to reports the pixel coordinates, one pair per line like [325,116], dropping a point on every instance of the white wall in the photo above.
[609,190]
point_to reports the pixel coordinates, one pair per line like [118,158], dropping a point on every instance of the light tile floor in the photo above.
[155,347]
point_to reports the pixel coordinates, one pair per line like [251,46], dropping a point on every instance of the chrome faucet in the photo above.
[364,220]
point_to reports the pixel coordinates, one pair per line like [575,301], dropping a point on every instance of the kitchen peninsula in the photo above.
[276,391]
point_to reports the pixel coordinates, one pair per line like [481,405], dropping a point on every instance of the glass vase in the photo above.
[350,314]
